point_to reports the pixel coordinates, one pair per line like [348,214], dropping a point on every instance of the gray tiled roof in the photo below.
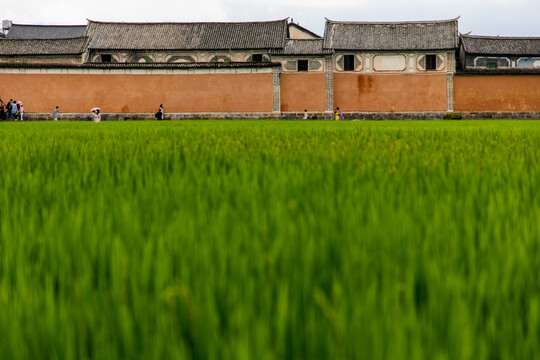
[495,45]
[45,31]
[10,47]
[302,47]
[388,36]
[187,36]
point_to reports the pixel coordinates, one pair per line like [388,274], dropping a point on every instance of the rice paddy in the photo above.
[270,240]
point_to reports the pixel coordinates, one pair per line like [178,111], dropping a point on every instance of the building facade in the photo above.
[272,69]
[498,76]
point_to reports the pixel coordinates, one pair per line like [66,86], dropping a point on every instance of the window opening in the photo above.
[348,62]
[491,63]
[431,62]
[302,65]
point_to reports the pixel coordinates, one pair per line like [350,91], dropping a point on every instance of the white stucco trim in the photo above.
[85,71]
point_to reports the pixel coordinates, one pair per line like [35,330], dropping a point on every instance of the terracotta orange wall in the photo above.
[139,93]
[302,91]
[497,93]
[390,92]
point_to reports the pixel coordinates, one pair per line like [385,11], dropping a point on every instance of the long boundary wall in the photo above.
[390,92]
[135,91]
[265,93]
[496,95]
[302,91]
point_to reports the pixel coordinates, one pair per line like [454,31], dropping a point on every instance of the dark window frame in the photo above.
[492,63]
[348,62]
[257,58]
[106,58]
[304,66]
[431,62]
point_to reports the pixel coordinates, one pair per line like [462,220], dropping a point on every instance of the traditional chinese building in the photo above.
[270,69]
[498,76]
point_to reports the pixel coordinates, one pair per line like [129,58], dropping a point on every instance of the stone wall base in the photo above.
[437,115]
[149,116]
[367,115]
[499,115]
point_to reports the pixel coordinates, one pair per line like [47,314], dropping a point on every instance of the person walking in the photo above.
[56,112]
[159,114]
[339,115]
[305,115]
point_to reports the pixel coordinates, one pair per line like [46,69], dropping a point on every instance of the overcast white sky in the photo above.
[481,17]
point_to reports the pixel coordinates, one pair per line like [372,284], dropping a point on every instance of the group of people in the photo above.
[338,115]
[13,110]
[96,116]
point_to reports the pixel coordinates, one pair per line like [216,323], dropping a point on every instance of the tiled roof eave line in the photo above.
[301,54]
[149,66]
[506,71]
[394,50]
[42,54]
[502,54]
[183,49]
[155,67]
[52,39]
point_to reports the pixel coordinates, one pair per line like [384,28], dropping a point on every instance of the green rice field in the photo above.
[270,240]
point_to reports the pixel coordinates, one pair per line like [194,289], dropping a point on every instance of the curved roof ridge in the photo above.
[43,25]
[495,37]
[185,22]
[391,22]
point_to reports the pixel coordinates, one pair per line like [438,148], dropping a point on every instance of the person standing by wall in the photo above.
[8,107]
[159,114]
[339,115]
[97,116]
[14,110]
[21,111]
[305,115]
[56,112]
